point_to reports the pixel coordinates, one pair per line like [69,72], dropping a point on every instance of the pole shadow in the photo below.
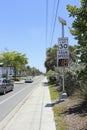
[54,103]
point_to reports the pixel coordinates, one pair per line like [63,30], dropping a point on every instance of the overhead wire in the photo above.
[46,22]
[54,22]
[53,12]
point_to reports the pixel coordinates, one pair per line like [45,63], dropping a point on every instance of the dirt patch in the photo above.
[74,113]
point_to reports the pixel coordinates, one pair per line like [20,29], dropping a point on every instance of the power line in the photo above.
[55,21]
[46,21]
[52,16]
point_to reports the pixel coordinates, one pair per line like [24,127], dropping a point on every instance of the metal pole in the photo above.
[62,30]
[63,67]
[63,95]
[63,79]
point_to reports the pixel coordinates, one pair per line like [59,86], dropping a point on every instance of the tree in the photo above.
[14,59]
[27,70]
[35,71]
[79,30]
[51,59]
[32,71]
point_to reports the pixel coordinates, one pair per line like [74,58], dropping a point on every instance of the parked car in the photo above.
[6,85]
[28,80]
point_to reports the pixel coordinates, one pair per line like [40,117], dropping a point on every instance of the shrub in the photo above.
[71,83]
[82,91]
[51,77]
[4,75]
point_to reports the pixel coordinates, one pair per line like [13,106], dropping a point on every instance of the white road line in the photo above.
[16,93]
[11,96]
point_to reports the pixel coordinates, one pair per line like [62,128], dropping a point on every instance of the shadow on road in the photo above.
[45,84]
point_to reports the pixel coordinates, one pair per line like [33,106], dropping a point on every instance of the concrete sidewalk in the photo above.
[36,113]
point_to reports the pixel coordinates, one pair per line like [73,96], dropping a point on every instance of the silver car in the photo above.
[6,85]
[28,80]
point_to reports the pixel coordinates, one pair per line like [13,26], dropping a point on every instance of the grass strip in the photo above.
[60,125]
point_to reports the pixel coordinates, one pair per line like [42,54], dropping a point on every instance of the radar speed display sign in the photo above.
[63,52]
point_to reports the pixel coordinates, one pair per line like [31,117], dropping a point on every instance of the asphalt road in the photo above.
[9,101]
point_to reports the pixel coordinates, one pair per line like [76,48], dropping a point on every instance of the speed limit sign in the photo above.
[63,43]
[63,52]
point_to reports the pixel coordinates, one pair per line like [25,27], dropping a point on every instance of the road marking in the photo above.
[11,96]
[18,92]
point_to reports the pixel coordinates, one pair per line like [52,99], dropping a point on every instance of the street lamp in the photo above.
[63,22]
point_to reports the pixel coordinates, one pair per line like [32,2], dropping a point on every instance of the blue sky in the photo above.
[23,27]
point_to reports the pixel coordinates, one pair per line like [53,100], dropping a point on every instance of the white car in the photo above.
[28,80]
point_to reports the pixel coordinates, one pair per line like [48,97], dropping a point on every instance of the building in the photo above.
[9,71]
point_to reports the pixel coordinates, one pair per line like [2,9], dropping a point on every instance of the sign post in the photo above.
[63,54]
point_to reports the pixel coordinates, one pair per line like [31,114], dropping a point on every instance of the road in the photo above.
[9,101]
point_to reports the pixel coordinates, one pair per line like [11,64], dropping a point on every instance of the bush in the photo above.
[51,77]
[71,83]
[4,75]
[82,91]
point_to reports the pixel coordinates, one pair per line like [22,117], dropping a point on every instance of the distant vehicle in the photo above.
[6,86]
[28,80]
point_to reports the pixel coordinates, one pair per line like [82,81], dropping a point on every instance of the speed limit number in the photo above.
[63,43]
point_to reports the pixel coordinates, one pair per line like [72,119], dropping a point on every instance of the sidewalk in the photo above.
[36,113]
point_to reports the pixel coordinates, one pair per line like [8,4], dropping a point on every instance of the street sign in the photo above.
[63,52]
[63,43]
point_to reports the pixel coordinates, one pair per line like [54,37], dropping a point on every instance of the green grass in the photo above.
[54,94]
[60,125]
